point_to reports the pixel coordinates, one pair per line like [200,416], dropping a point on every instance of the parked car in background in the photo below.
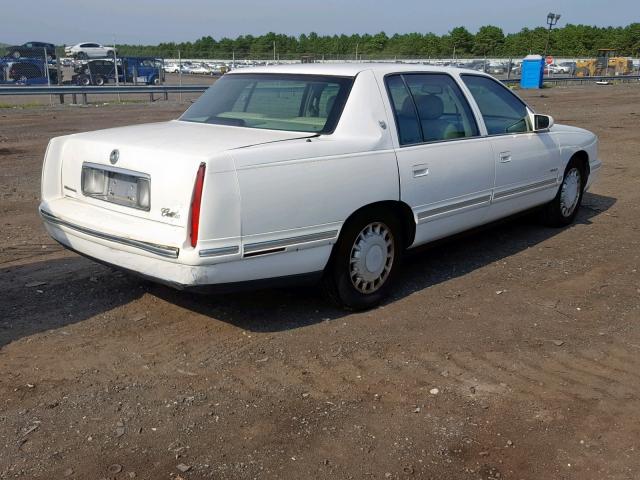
[27,71]
[312,171]
[171,68]
[555,69]
[199,69]
[32,50]
[94,72]
[496,68]
[138,70]
[568,67]
[87,50]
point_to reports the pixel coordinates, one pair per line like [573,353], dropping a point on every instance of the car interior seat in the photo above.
[434,126]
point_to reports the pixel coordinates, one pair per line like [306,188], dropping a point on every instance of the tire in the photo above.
[155,81]
[82,56]
[110,54]
[99,81]
[84,80]
[356,282]
[562,210]
[16,54]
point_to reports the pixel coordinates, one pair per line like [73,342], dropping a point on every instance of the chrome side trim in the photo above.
[286,242]
[161,250]
[454,206]
[217,252]
[525,188]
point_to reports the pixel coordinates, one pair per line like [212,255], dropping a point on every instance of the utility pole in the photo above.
[115,64]
[180,76]
[357,45]
[552,20]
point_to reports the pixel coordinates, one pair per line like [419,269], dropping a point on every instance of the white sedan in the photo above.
[84,51]
[307,172]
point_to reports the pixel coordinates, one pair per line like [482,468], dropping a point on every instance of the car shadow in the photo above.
[74,289]
[284,309]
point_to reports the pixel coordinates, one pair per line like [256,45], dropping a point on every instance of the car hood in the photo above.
[186,138]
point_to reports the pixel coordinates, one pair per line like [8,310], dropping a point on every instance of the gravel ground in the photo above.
[511,353]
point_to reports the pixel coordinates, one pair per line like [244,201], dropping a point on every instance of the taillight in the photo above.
[195,205]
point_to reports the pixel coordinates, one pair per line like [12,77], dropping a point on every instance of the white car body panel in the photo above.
[274,202]
[99,51]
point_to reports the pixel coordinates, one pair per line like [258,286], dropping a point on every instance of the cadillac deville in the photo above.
[305,172]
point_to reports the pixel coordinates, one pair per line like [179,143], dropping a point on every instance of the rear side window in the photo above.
[430,108]
[501,110]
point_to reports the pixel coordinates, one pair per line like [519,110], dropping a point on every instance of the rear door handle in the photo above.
[420,171]
[505,157]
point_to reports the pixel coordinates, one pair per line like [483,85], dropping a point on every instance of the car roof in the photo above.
[349,69]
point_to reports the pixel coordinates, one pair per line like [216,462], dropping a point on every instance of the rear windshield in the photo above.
[298,103]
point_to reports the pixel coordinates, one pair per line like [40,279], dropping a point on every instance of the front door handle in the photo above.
[420,171]
[505,157]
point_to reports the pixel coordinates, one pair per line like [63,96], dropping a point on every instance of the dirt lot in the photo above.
[530,335]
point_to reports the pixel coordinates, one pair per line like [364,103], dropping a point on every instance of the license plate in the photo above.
[114,185]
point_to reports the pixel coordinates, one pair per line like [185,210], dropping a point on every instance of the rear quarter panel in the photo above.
[308,186]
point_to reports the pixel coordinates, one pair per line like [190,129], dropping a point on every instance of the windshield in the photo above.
[299,103]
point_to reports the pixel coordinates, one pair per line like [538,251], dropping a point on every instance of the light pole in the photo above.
[552,20]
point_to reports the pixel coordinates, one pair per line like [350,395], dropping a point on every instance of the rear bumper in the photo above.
[162,263]
[161,250]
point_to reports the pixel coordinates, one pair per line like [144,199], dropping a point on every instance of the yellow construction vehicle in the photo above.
[606,63]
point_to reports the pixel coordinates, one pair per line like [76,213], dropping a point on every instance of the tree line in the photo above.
[490,41]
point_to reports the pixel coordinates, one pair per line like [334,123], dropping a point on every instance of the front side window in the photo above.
[501,110]
[299,103]
[430,108]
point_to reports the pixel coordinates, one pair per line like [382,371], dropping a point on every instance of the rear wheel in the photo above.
[366,257]
[84,80]
[99,80]
[562,210]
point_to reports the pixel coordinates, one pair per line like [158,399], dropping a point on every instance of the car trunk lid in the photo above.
[166,155]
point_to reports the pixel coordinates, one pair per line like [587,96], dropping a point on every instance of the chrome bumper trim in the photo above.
[287,242]
[161,250]
[217,252]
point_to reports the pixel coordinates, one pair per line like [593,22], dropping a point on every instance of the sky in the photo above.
[150,22]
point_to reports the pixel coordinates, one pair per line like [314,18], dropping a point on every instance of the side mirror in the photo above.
[542,122]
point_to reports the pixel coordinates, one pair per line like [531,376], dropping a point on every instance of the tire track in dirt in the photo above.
[564,375]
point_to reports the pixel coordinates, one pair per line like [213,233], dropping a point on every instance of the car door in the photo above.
[526,162]
[446,168]
[92,50]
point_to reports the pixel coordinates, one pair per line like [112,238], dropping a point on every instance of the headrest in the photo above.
[430,107]
[408,110]
[330,104]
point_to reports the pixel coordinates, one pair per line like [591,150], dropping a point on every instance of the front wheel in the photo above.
[562,210]
[365,260]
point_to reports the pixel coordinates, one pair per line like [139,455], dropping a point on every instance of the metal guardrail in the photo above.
[66,90]
[152,90]
[75,90]
[579,80]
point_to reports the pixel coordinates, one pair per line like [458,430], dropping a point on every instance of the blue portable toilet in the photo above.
[532,71]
